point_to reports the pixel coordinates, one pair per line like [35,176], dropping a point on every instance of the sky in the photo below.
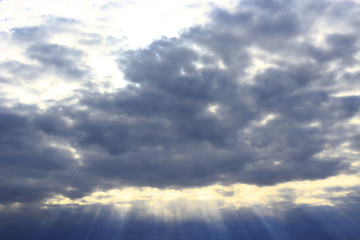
[183,119]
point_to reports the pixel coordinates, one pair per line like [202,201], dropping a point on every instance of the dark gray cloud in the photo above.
[20,71]
[62,59]
[29,34]
[52,59]
[41,33]
[166,115]
[30,165]
[66,63]
[176,124]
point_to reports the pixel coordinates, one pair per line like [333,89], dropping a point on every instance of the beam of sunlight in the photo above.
[205,202]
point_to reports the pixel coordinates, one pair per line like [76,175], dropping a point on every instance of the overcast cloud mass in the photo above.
[261,93]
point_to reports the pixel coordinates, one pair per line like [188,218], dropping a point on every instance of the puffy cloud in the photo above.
[159,130]
[255,96]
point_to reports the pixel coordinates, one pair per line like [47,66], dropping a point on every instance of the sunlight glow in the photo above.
[213,108]
[179,204]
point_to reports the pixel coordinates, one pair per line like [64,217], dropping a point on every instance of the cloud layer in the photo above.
[263,94]
[244,125]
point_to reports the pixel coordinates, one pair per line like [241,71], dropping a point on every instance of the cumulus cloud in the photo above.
[245,126]
[254,96]
[160,131]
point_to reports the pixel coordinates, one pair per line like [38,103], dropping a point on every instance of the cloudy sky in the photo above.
[184,119]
